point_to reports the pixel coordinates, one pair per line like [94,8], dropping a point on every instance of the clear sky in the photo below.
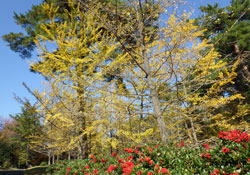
[14,70]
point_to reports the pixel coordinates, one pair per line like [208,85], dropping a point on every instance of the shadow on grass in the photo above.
[30,171]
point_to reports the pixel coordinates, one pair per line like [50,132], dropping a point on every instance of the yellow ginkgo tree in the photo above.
[103,90]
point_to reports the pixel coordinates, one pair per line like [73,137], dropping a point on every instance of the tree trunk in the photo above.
[190,118]
[49,157]
[27,153]
[188,132]
[151,87]
[158,114]
[53,159]
[69,157]
[82,118]
[193,130]
[155,101]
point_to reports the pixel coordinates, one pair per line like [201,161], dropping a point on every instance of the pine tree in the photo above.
[27,125]
[24,42]
[228,28]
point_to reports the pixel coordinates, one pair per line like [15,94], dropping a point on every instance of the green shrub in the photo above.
[228,155]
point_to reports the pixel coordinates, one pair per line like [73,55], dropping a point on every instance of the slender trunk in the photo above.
[27,153]
[152,89]
[158,114]
[49,157]
[69,156]
[191,120]
[53,159]
[155,101]
[193,130]
[188,132]
[82,118]
[141,115]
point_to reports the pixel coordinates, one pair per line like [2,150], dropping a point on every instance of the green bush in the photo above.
[228,155]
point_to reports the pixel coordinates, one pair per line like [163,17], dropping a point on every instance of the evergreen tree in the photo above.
[229,30]
[27,125]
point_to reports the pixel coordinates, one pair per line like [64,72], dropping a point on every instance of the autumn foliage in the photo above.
[134,73]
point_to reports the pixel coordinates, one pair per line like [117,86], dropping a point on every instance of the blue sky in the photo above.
[14,70]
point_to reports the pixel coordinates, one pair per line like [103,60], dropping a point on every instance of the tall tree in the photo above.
[228,28]
[27,125]
[34,22]
[166,58]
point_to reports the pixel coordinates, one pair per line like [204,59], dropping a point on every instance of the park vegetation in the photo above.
[126,82]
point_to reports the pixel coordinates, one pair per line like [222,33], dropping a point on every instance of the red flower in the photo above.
[113,154]
[156,166]
[136,151]
[121,160]
[141,159]
[92,156]
[147,159]
[149,149]
[149,173]
[182,143]
[225,150]
[103,160]
[164,171]
[235,136]
[95,171]
[207,147]
[216,171]
[127,164]
[129,150]
[87,167]
[156,146]
[206,155]
[127,167]
[127,171]
[139,173]
[130,157]
[151,162]
[111,168]
[68,169]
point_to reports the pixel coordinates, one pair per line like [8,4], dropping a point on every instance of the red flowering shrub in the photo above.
[235,136]
[229,155]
